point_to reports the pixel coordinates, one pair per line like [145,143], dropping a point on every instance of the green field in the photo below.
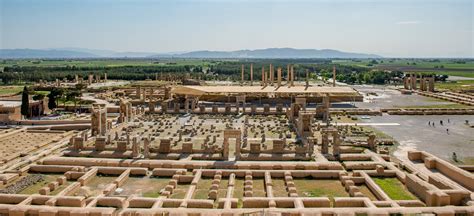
[10,90]
[451,67]
[394,188]
[457,85]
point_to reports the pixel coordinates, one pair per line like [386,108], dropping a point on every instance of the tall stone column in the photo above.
[225,149]
[326,105]
[431,84]
[413,81]
[186,105]
[334,75]
[325,143]
[279,76]
[146,147]
[405,82]
[251,74]
[238,143]
[271,74]
[288,75]
[90,79]
[242,73]
[307,78]
[336,144]
[292,69]
[264,82]
[105,77]
[135,147]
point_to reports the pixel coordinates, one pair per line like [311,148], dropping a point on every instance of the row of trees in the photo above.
[54,97]
[18,74]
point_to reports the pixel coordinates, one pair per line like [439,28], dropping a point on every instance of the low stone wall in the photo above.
[150,164]
[22,184]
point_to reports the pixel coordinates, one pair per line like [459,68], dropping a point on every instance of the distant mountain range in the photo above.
[259,53]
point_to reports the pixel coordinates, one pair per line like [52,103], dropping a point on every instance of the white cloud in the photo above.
[411,22]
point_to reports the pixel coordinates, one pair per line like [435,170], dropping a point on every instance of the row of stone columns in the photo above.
[426,83]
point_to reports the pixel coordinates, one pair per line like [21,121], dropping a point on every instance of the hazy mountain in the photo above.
[273,53]
[36,53]
[69,53]
[110,53]
[259,53]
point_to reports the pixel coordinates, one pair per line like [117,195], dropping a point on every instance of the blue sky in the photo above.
[403,28]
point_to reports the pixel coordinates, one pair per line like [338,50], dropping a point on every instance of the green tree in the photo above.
[38,97]
[25,102]
[72,96]
[54,96]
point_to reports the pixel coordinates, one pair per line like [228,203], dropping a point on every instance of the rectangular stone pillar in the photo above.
[151,106]
[251,74]
[336,144]
[288,75]
[279,108]
[176,107]
[135,147]
[334,75]
[413,81]
[307,78]
[146,147]
[122,146]
[242,73]
[165,146]
[431,84]
[271,73]
[292,69]
[202,108]
[264,82]
[279,76]
[266,108]
[253,109]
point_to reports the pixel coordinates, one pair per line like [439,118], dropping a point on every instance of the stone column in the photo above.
[413,81]
[225,150]
[334,75]
[105,77]
[431,84]
[264,82]
[326,105]
[307,78]
[371,142]
[186,105]
[292,69]
[271,73]
[405,82]
[279,76]
[121,146]
[151,106]
[146,147]
[336,144]
[325,143]
[90,78]
[242,73]
[251,74]
[135,147]
[238,142]
[288,75]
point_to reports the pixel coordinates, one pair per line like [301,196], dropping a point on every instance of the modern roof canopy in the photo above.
[313,91]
